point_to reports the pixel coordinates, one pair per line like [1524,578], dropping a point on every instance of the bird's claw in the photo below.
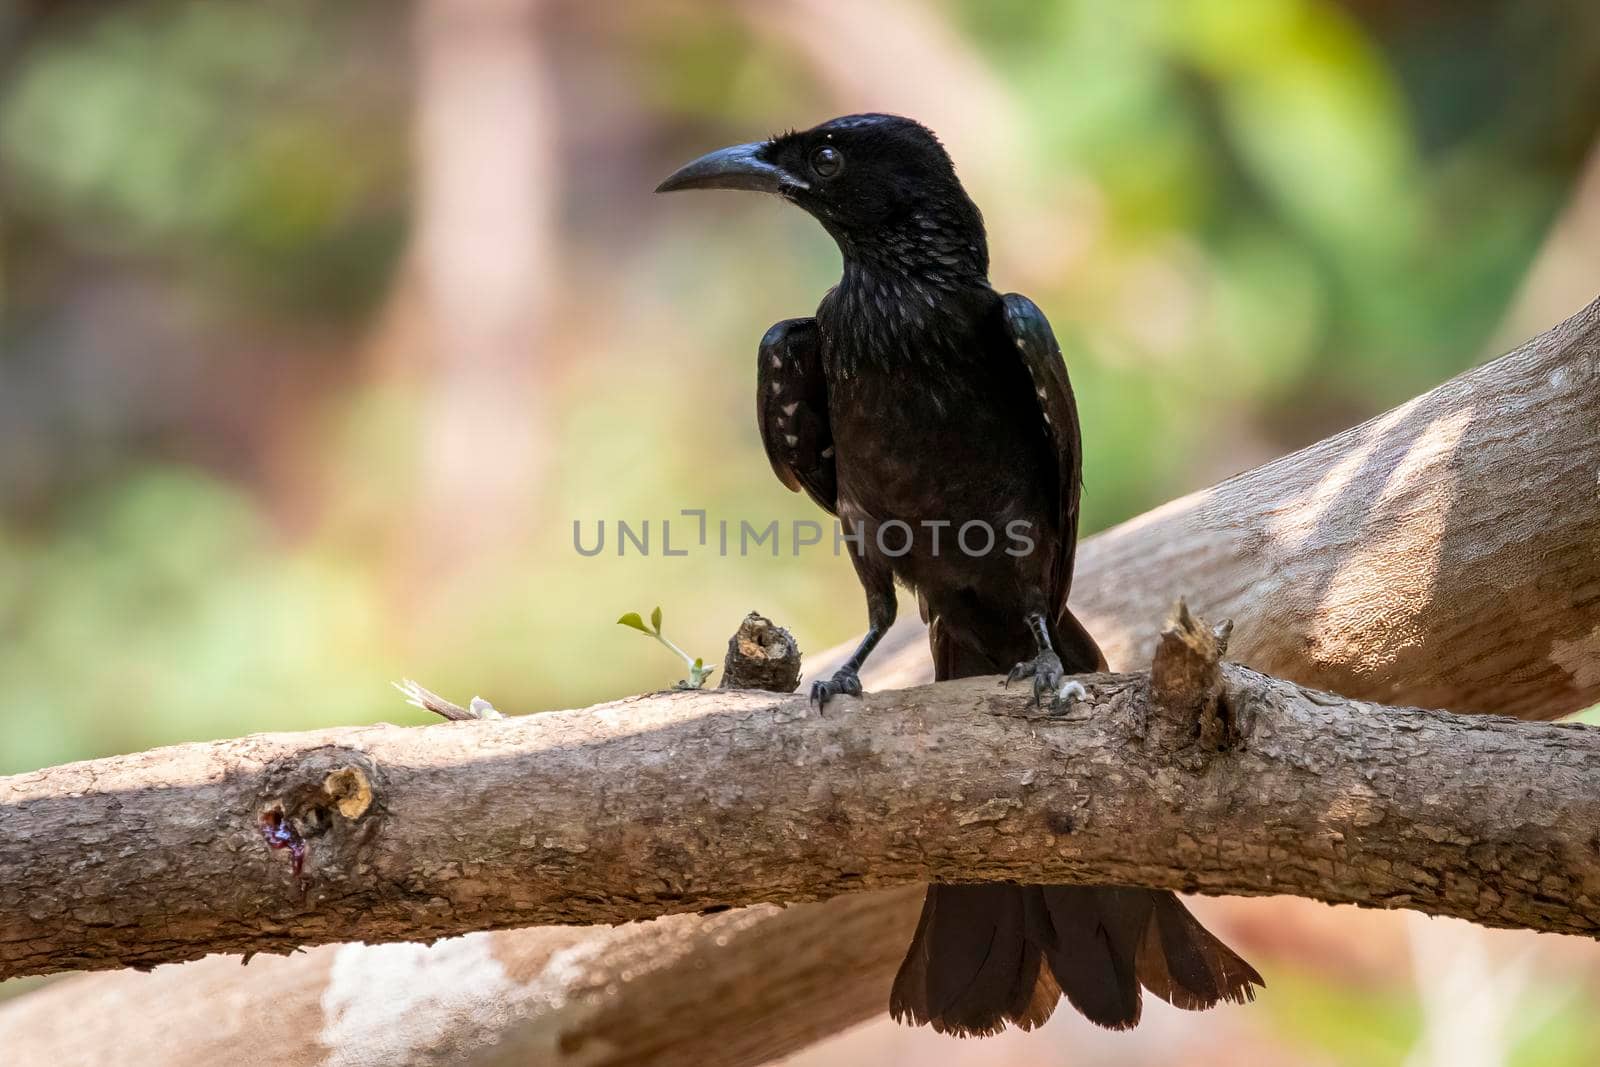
[1045,669]
[843,681]
[1048,679]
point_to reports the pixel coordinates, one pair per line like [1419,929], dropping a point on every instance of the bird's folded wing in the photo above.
[1036,343]
[792,411]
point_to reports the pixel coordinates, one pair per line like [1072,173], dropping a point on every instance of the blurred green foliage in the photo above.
[1270,231]
[1318,1014]
[162,602]
[1384,1026]
[221,133]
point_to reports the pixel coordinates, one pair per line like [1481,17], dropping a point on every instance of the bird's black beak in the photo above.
[736,167]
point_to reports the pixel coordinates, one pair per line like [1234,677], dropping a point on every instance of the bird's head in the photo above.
[882,185]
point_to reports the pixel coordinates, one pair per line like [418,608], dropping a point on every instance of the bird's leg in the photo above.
[1045,669]
[881,607]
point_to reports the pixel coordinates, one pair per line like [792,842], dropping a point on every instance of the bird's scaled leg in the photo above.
[881,608]
[1046,671]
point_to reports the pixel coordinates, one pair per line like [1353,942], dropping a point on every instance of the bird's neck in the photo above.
[914,293]
[937,246]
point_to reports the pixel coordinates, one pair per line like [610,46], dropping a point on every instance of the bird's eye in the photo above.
[827,161]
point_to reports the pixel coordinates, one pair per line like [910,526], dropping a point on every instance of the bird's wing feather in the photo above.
[792,410]
[1036,343]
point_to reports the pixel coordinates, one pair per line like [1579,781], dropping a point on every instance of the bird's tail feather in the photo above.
[985,956]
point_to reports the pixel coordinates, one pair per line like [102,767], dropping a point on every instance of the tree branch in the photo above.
[1441,554]
[705,801]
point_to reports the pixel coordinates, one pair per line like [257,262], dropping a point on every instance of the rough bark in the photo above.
[1516,438]
[1195,776]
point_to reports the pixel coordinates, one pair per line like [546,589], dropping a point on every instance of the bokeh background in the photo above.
[321,323]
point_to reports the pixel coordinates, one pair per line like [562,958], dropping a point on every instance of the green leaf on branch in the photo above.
[698,671]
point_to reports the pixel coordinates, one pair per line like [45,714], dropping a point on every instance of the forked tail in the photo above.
[985,956]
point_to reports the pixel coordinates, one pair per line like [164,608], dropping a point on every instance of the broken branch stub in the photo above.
[1189,706]
[761,655]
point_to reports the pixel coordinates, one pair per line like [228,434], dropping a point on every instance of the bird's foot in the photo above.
[844,681]
[1048,681]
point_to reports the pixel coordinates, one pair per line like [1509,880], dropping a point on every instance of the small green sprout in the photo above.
[698,671]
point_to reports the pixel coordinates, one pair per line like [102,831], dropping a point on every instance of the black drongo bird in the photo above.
[933,416]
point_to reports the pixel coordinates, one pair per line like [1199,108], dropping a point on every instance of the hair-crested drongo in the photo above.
[918,398]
